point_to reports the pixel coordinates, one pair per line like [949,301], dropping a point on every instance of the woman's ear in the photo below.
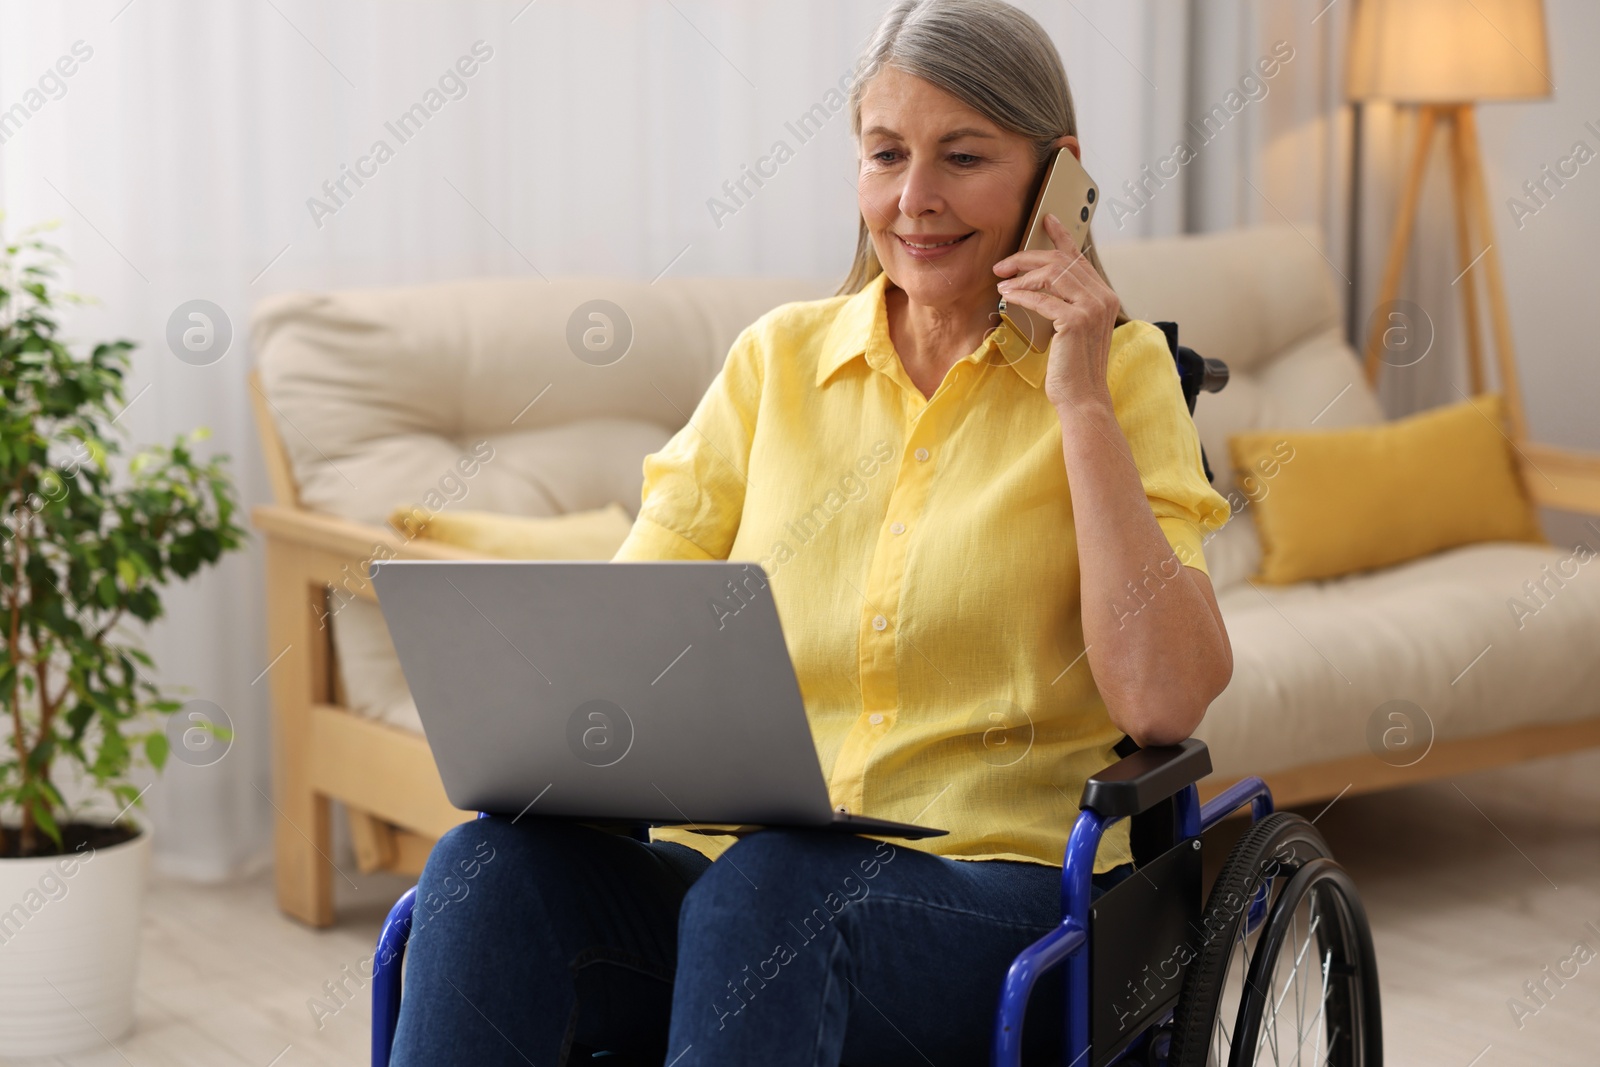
[1069,141]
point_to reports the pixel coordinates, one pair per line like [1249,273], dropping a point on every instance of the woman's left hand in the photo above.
[1062,285]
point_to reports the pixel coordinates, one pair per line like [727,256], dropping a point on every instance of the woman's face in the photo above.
[933,172]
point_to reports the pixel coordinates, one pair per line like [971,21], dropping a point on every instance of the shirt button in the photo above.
[879,622]
[921,454]
[876,718]
[897,528]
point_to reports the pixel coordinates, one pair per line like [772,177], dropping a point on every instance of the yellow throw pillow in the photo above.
[1335,501]
[578,535]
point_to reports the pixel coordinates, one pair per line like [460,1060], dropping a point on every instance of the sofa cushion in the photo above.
[593,534]
[1314,661]
[1372,496]
[1233,553]
[377,392]
[1245,296]
[1260,300]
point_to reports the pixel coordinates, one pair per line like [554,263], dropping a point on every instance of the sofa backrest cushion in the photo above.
[380,393]
[1263,301]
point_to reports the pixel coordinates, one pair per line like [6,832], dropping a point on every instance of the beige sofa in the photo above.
[373,399]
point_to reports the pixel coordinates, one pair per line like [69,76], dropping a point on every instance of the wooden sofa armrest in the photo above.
[1561,478]
[338,550]
[384,776]
[321,752]
[358,540]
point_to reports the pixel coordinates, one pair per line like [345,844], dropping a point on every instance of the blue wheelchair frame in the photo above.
[1066,945]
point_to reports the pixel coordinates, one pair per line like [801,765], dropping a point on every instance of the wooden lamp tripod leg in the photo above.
[1505,351]
[1427,118]
[1466,249]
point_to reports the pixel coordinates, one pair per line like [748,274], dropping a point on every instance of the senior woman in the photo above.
[987,558]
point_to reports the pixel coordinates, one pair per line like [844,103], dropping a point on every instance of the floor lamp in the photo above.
[1442,56]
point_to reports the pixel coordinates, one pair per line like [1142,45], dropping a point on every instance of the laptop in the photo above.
[623,694]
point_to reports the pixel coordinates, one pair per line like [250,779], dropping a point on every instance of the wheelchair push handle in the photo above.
[1196,373]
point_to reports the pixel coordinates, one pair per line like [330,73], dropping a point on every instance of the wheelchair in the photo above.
[1276,966]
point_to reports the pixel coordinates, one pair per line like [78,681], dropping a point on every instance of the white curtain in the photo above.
[1285,157]
[187,154]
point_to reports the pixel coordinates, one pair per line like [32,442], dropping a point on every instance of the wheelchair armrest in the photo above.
[1139,782]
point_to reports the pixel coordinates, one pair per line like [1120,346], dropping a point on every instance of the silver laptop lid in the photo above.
[637,690]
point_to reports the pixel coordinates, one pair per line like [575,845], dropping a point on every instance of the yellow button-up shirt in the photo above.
[922,557]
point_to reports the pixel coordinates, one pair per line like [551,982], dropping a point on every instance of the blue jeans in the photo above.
[543,941]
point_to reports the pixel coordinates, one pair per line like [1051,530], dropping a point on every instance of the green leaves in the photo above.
[84,554]
[155,749]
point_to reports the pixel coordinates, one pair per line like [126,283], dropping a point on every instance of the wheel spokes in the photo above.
[1291,980]
[1311,906]
[1325,932]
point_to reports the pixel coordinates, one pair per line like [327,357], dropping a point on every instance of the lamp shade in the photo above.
[1447,51]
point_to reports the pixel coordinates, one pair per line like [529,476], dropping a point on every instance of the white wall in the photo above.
[1552,261]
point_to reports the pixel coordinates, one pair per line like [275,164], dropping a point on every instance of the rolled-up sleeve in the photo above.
[1148,400]
[694,487]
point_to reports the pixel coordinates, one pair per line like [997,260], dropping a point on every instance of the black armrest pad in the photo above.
[1138,782]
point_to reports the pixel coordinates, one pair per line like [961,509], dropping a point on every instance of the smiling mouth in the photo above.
[941,244]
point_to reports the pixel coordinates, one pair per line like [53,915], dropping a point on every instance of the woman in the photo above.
[987,561]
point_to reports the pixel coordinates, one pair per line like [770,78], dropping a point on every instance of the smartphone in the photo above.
[1067,192]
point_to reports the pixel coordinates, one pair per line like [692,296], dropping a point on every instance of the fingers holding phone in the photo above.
[1062,289]
[1067,192]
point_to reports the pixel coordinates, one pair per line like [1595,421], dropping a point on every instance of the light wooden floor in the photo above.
[1473,887]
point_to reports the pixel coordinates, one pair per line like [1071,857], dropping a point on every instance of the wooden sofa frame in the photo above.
[385,776]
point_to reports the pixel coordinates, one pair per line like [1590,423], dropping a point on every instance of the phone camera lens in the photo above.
[1084,214]
[1091,196]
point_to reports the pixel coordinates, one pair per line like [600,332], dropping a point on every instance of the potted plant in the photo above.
[86,543]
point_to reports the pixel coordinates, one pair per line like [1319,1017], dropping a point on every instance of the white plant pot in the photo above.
[69,947]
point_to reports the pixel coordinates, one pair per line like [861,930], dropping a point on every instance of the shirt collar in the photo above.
[861,328]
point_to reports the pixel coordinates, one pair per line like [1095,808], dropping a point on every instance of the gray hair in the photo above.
[993,57]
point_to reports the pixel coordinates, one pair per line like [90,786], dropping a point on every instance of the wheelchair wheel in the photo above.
[1303,986]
